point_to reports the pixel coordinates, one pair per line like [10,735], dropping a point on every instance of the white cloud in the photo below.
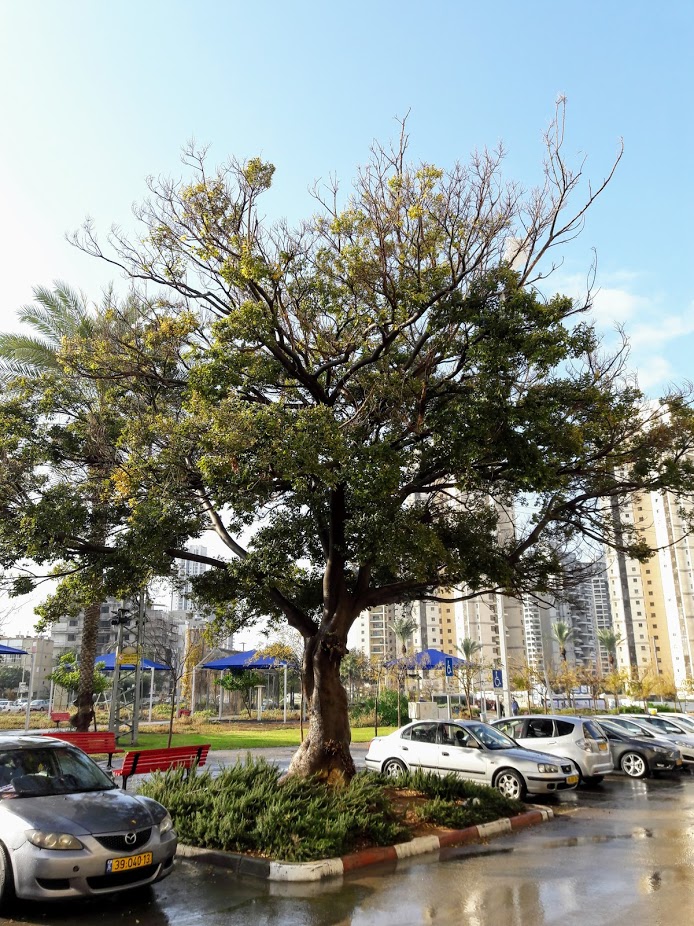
[661,331]
[654,370]
[612,306]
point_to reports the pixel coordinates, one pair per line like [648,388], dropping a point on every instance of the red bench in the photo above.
[140,762]
[59,716]
[94,743]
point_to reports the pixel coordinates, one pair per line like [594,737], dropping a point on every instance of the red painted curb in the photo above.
[459,837]
[369,857]
[452,838]
[531,818]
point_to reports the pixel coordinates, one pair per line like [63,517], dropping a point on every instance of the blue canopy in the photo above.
[109,662]
[427,659]
[11,651]
[245,660]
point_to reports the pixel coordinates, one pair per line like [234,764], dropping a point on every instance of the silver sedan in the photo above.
[472,750]
[66,830]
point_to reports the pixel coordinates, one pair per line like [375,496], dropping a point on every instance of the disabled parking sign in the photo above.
[497,678]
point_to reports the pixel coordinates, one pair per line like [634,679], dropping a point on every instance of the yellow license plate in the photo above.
[128,862]
[572,780]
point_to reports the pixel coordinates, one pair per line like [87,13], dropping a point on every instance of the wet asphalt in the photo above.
[618,854]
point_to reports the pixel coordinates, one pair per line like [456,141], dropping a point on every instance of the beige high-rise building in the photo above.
[652,603]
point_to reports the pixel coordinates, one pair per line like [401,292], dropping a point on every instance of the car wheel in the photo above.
[6,880]
[634,765]
[393,768]
[511,784]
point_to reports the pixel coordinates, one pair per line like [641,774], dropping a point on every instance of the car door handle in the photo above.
[445,753]
[404,748]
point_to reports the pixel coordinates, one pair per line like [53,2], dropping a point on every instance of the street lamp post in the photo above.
[31,687]
[138,668]
[506,686]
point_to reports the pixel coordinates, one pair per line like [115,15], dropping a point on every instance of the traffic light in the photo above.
[122,616]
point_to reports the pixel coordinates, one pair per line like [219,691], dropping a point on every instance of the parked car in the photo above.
[39,704]
[4,704]
[472,750]
[17,707]
[637,726]
[67,830]
[686,721]
[674,730]
[575,738]
[637,756]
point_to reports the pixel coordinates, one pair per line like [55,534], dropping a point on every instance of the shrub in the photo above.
[245,809]
[362,713]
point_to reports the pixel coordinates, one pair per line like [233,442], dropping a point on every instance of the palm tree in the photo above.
[403,627]
[562,633]
[609,641]
[58,315]
[468,649]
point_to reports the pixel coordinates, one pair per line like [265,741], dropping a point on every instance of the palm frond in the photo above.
[24,355]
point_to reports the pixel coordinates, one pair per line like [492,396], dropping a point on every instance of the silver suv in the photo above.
[577,738]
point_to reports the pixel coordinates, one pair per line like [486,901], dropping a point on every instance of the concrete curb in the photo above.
[335,867]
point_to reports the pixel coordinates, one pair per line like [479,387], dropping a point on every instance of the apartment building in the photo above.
[39,655]
[652,603]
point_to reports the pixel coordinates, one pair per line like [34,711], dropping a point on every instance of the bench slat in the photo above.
[93,743]
[140,762]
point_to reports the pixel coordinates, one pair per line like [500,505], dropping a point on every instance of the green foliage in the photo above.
[370,392]
[246,809]
[10,677]
[245,683]
[66,675]
[362,712]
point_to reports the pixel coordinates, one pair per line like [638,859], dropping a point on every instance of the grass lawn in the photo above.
[248,736]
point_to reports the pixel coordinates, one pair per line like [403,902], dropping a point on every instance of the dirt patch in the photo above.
[406,804]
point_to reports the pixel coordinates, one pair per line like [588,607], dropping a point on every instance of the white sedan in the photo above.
[472,750]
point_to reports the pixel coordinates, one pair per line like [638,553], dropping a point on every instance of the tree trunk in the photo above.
[85,692]
[325,750]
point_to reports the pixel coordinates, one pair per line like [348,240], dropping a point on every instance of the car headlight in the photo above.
[53,840]
[549,769]
[663,750]
[680,743]
[165,825]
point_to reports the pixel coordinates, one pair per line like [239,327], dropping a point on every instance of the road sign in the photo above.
[497,678]
[449,666]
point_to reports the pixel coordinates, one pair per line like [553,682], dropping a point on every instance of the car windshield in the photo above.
[38,772]
[490,737]
[686,723]
[636,728]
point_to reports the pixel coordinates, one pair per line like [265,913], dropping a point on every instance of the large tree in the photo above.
[31,368]
[356,405]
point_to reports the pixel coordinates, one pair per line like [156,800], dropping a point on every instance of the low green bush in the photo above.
[362,713]
[245,809]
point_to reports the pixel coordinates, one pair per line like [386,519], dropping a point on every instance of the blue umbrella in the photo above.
[109,662]
[427,659]
[11,651]
[245,660]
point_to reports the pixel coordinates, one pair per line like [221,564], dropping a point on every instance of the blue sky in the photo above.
[97,96]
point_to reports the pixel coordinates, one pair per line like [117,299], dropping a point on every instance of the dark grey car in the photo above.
[66,830]
[639,757]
